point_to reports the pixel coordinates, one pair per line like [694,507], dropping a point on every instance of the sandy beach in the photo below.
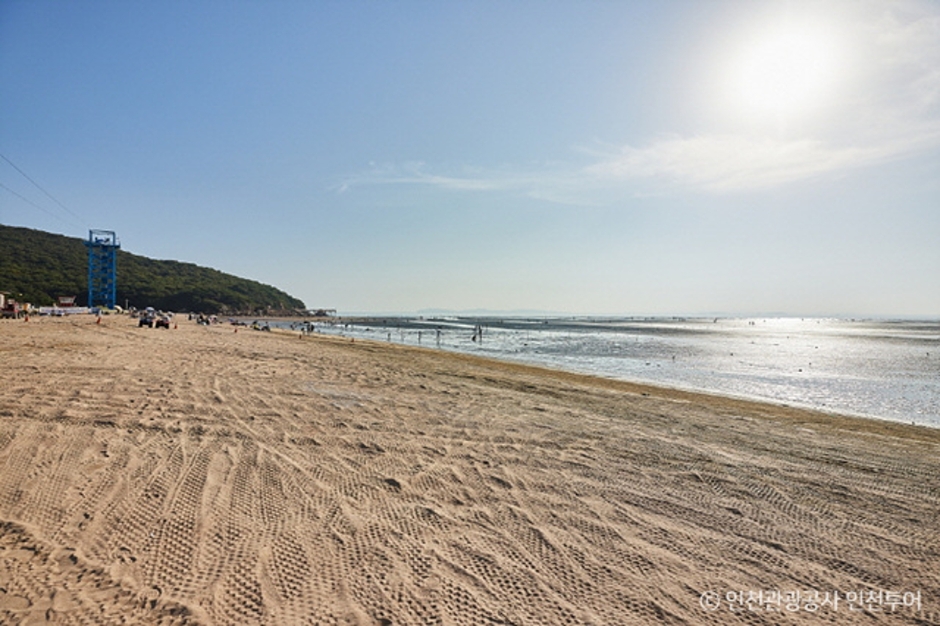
[205,476]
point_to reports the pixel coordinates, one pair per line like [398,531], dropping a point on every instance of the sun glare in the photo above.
[786,72]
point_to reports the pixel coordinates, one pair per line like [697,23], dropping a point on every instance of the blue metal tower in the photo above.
[102,268]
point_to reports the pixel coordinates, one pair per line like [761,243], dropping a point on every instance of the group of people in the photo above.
[203,320]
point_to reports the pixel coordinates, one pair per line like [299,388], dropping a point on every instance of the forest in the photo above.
[37,267]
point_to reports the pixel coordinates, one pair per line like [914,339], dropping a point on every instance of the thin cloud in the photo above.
[727,163]
[892,114]
[417,174]
[708,163]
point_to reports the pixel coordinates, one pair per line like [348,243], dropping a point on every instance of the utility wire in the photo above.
[40,188]
[30,202]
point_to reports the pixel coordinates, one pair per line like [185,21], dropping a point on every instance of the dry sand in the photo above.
[199,475]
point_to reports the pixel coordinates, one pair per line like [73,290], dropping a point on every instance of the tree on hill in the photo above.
[38,267]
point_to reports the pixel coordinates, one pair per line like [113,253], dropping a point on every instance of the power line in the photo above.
[40,188]
[30,202]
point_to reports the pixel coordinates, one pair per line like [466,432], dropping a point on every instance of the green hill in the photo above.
[38,267]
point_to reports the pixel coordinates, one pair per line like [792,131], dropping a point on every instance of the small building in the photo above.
[66,302]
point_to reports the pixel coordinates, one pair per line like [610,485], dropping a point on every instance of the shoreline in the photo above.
[797,413]
[835,413]
[202,475]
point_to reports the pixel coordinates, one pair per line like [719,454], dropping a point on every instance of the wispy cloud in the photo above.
[892,113]
[728,163]
[416,173]
[708,163]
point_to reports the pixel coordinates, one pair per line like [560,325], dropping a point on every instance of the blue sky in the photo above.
[636,158]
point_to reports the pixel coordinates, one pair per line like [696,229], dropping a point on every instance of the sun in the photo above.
[785,71]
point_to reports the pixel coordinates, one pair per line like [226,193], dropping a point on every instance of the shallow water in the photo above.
[883,369]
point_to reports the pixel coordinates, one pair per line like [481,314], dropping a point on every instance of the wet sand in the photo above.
[201,475]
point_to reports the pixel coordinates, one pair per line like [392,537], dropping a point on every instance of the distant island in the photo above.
[39,267]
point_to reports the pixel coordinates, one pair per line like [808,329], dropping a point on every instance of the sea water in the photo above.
[882,369]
